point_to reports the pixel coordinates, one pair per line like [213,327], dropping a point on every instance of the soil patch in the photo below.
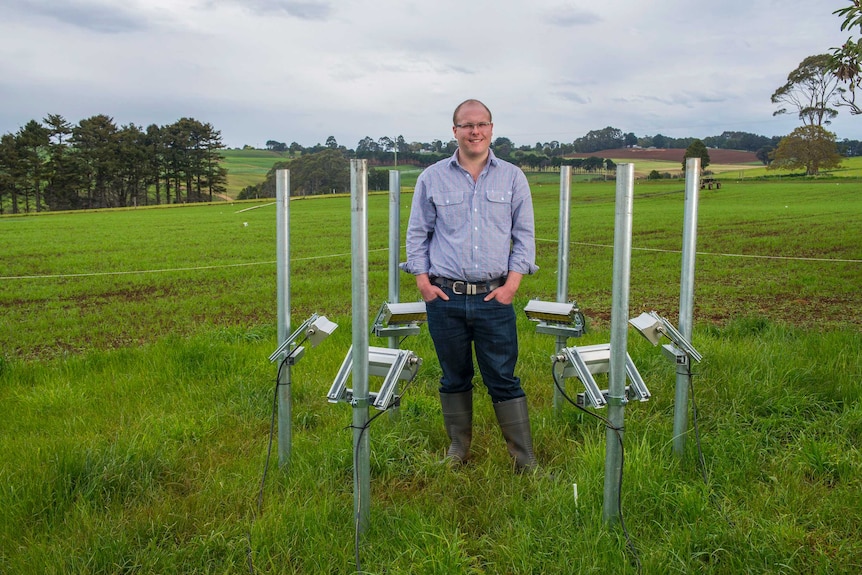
[716,156]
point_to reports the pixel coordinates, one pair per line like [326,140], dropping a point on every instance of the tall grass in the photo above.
[135,408]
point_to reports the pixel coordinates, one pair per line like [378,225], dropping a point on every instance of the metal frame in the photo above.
[399,319]
[585,361]
[315,329]
[393,365]
[556,318]
[653,326]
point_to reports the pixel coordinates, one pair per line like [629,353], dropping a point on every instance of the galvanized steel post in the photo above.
[619,333]
[359,302]
[394,255]
[394,241]
[285,406]
[563,266]
[686,301]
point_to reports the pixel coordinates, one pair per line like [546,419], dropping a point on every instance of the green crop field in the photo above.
[248,167]
[136,396]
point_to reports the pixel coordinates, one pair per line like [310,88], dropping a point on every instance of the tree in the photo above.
[96,141]
[366,148]
[809,90]
[697,149]
[378,180]
[155,158]
[809,147]
[319,173]
[846,61]
[597,140]
[502,147]
[276,146]
[32,141]
[729,140]
[385,144]
[764,154]
[62,174]
[11,172]
[593,163]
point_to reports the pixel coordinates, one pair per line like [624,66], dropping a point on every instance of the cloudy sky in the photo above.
[304,70]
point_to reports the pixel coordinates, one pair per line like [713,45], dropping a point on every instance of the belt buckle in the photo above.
[455,287]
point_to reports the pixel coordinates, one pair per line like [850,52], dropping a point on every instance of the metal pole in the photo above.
[359,261]
[686,301]
[619,333]
[394,255]
[563,266]
[394,241]
[285,404]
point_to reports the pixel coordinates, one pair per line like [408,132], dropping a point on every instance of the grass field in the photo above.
[248,167]
[136,396]
[850,168]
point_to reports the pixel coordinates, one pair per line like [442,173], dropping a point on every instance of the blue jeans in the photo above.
[467,321]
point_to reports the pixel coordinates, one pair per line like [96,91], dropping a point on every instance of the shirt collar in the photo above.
[492,159]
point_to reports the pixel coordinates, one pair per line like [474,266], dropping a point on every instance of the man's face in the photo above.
[473,139]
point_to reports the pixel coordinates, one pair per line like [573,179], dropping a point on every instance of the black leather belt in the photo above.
[461,287]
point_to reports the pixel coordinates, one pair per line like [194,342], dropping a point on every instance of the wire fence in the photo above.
[346,254]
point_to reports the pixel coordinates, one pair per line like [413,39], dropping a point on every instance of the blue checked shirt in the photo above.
[473,231]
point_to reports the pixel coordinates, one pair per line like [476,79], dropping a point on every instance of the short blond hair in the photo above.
[464,103]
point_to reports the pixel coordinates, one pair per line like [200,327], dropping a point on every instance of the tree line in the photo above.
[545,155]
[328,171]
[55,165]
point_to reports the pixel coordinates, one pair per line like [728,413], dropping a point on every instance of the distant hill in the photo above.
[716,156]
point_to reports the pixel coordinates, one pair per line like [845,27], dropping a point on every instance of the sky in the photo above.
[304,70]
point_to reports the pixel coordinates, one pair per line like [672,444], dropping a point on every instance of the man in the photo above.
[470,240]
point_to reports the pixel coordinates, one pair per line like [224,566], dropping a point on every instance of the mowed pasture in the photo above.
[724,164]
[248,167]
[136,397]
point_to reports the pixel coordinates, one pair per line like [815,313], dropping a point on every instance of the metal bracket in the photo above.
[585,361]
[315,329]
[393,365]
[399,319]
[653,326]
[555,318]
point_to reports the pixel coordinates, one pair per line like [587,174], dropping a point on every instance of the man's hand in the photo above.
[505,294]
[429,291]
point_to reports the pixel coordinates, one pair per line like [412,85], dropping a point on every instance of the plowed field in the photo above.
[673,155]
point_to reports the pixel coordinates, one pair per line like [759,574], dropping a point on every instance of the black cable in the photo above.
[618,431]
[700,457]
[701,460]
[284,362]
[362,430]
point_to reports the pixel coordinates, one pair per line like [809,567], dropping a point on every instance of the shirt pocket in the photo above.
[499,208]
[451,209]
[499,196]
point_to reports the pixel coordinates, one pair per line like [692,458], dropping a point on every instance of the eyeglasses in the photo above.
[471,127]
